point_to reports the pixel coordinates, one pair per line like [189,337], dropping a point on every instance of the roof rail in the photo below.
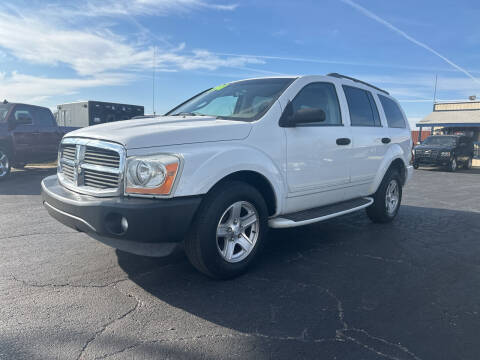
[340,76]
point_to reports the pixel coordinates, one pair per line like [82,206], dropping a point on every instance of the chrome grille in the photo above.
[91,166]
[101,180]
[69,152]
[103,157]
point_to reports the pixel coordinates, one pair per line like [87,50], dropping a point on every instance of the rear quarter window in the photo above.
[393,113]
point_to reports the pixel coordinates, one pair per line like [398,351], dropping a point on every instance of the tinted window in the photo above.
[319,96]
[244,100]
[376,116]
[393,113]
[44,117]
[363,111]
[4,109]
[23,115]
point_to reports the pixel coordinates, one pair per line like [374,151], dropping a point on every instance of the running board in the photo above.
[311,216]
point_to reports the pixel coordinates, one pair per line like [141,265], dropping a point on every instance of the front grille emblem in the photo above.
[78,178]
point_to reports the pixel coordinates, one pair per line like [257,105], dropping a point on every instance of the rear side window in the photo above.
[362,107]
[322,96]
[44,117]
[393,113]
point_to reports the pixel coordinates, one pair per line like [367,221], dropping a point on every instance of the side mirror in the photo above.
[302,116]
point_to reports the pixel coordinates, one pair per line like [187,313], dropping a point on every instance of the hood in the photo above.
[166,130]
[434,147]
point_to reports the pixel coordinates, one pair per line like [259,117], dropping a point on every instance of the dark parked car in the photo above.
[444,150]
[28,134]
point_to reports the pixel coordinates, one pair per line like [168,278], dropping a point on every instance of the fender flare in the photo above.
[393,153]
[219,165]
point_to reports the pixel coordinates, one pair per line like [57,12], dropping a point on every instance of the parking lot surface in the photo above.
[342,289]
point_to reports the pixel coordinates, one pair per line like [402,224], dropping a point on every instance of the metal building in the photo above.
[86,113]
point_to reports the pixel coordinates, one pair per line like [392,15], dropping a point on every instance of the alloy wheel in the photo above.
[237,231]
[392,197]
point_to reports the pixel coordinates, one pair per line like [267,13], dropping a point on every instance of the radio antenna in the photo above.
[153,78]
[435,91]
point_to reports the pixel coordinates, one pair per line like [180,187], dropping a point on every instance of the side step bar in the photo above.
[311,216]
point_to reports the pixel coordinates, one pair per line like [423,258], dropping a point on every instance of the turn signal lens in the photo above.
[151,175]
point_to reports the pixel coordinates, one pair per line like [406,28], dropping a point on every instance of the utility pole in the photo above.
[435,91]
[153,78]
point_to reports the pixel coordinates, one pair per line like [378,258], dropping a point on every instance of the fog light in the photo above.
[124,224]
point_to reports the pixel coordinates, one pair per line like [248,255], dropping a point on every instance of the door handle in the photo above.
[343,141]
[386,140]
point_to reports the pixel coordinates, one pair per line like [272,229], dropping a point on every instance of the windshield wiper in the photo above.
[188,114]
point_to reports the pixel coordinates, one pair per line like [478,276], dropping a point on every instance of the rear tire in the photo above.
[5,164]
[229,231]
[415,166]
[387,199]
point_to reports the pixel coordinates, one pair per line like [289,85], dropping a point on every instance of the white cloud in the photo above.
[18,87]
[89,52]
[149,7]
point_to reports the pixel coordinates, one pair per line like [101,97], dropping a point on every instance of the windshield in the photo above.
[4,111]
[440,140]
[244,100]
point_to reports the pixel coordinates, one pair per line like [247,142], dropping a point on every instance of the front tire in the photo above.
[453,165]
[229,231]
[468,164]
[5,165]
[415,166]
[387,199]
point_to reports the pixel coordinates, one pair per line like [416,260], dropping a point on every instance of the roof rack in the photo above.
[340,76]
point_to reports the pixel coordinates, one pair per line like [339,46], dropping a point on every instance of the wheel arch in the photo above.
[394,159]
[258,181]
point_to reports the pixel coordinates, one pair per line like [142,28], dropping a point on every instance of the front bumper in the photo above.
[149,220]
[432,162]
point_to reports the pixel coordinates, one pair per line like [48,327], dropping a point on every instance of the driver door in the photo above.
[318,154]
[24,134]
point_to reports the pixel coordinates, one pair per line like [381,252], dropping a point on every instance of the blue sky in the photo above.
[53,52]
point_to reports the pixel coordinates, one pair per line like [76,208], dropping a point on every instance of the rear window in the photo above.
[393,113]
[362,107]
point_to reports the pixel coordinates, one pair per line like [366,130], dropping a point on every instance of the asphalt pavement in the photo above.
[341,289]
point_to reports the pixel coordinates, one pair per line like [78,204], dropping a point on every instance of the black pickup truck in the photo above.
[28,134]
[444,150]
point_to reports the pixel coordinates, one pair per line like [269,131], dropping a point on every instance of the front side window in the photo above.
[362,107]
[321,96]
[246,100]
[23,116]
[393,113]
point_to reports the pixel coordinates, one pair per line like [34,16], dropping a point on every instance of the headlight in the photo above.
[154,175]
[445,153]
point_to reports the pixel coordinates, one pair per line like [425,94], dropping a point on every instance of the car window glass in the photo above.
[24,116]
[359,104]
[376,116]
[319,96]
[393,113]
[44,117]
[220,106]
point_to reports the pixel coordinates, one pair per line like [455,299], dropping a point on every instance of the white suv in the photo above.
[218,170]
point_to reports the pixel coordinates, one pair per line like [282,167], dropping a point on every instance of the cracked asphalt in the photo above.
[342,289]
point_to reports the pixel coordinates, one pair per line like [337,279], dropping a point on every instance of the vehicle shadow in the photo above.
[26,181]
[314,280]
